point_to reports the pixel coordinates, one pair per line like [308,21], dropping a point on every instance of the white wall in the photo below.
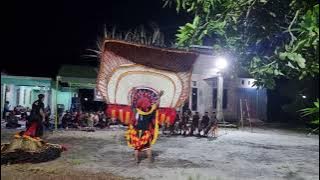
[11,95]
[203,69]
[204,93]
[3,88]
[65,98]
[26,96]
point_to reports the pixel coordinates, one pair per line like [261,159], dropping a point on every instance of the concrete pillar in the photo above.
[21,96]
[3,98]
[11,95]
[219,108]
[46,98]
[28,97]
[53,102]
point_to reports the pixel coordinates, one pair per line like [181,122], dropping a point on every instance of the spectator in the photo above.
[12,121]
[195,122]
[205,121]
[48,111]
[6,110]
[91,120]
[96,118]
[176,120]
[183,124]
[28,110]
[16,110]
[102,123]
[213,126]
[77,118]
[66,120]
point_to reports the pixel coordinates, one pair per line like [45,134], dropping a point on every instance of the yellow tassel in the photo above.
[130,129]
[121,115]
[156,129]
[113,113]
[127,117]
[162,119]
[154,106]
[168,121]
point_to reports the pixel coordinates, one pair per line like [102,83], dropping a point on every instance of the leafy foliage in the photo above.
[269,38]
[312,111]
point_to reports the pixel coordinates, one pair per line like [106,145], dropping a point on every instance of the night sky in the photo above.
[42,35]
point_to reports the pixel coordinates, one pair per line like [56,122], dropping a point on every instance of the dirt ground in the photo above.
[236,154]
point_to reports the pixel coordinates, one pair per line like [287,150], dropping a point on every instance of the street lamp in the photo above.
[221,63]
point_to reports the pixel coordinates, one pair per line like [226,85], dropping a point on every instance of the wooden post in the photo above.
[248,110]
[241,114]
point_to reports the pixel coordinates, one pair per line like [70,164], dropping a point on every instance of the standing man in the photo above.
[37,115]
[6,109]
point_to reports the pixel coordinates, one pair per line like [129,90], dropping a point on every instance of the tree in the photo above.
[269,39]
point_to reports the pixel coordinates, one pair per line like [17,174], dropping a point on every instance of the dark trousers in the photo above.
[37,119]
[4,114]
[39,131]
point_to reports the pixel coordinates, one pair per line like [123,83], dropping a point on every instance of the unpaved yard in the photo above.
[236,154]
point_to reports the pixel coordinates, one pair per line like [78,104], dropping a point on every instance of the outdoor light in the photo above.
[304,97]
[221,63]
[86,99]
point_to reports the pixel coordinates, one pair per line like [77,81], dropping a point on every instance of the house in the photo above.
[203,93]
[73,80]
[204,83]
[203,97]
[24,90]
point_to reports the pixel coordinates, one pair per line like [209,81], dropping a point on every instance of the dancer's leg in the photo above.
[136,156]
[149,154]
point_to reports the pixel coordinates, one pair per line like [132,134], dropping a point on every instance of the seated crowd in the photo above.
[19,113]
[193,125]
[188,125]
[85,119]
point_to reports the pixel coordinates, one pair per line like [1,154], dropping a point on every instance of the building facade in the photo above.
[239,94]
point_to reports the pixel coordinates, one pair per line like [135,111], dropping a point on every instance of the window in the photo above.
[248,82]
[194,83]
[194,99]
[224,100]
[242,82]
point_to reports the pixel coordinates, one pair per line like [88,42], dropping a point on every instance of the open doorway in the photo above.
[88,104]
